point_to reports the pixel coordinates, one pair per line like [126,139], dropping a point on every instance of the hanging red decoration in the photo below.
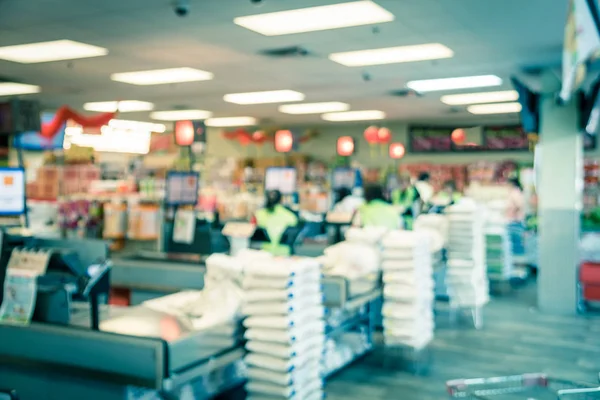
[64,114]
[259,137]
[284,141]
[384,135]
[184,133]
[372,134]
[397,150]
[458,136]
[345,146]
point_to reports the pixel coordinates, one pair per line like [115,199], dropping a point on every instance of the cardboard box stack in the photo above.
[285,329]
[54,181]
[408,290]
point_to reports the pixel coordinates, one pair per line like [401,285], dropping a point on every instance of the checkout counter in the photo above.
[134,349]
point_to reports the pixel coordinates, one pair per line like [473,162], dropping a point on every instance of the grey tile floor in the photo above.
[515,339]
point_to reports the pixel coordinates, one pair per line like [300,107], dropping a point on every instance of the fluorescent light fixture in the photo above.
[392,55]
[121,106]
[181,115]
[500,108]
[231,121]
[366,115]
[136,126]
[480,98]
[272,96]
[312,19]
[50,51]
[162,76]
[467,82]
[314,108]
[12,89]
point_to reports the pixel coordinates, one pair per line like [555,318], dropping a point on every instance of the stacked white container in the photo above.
[466,278]
[285,329]
[408,289]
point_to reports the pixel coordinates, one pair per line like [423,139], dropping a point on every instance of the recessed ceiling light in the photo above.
[392,55]
[314,108]
[230,121]
[467,82]
[181,115]
[272,96]
[50,51]
[312,19]
[366,115]
[500,108]
[12,89]
[136,125]
[121,106]
[480,98]
[162,76]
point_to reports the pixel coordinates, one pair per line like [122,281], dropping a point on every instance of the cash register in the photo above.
[77,270]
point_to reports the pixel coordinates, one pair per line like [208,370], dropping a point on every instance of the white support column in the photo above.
[560,186]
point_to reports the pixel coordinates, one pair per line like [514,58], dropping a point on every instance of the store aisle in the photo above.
[515,339]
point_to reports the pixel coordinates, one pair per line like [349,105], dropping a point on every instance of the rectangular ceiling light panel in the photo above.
[162,76]
[268,97]
[392,55]
[13,89]
[480,98]
[314,108]
[466,82]
[231,121]
[121,106]
[500,108]
[320,18]
[181,115]
[57,50]
[365,115]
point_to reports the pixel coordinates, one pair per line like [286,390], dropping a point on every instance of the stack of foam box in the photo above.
[285,329]
[408,290]
[466,278]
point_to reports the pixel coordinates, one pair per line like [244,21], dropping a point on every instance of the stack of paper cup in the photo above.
[408,289]
[466,277]
[285,329]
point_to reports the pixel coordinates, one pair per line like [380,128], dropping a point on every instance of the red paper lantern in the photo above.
[345,146]
[397,151]
[284,141]
[384,135]
[458,136]
[372,134]
[184,133]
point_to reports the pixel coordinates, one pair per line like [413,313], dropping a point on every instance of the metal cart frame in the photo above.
[489,388]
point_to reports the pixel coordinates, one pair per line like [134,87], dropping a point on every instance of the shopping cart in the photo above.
[521,387]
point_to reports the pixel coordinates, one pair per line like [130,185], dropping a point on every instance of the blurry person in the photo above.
[406,199]
[515,215]
[425,189]
[275,219]
[347,201]
[376,211]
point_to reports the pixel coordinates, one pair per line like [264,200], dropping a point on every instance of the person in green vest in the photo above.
[275,219]
[376,211]
[406,199]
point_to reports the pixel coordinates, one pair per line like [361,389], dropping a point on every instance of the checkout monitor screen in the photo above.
[343,178]
[281,178]
[12,191]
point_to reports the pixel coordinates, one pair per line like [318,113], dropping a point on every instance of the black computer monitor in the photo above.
[12,191]
[283,179]
[343,178]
